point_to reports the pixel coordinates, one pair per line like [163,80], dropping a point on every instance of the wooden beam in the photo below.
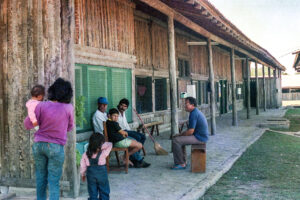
[257,89]
[200,43]
[264,88]
[172,74]
[233,88]
[212,87]
[248,88]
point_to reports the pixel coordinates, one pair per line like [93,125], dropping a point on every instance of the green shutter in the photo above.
[96,87]
[121,88]
[95,81]
[78,81]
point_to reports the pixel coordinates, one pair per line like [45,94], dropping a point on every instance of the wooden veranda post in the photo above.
[172,74]
[248,87]
[264,88]
[275,91]
[68,72]
[270,87]
[257,89]
[233,92]
[212,87]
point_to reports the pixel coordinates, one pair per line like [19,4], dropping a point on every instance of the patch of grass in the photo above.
[269,169]
[294,116]
[291,112]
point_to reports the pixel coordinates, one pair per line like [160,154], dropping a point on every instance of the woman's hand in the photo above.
[83,178]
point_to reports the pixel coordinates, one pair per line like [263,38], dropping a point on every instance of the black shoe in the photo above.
[145,164]
[136,164]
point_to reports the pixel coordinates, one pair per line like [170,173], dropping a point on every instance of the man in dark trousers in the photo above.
[136,159]
[197,133]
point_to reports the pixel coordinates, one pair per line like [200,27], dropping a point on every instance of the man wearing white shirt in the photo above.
[122,107]
[100,115]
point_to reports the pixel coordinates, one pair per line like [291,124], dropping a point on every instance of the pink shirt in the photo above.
[84,163]
[31,105]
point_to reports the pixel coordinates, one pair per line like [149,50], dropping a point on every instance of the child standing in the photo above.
[92,166]
[37,95]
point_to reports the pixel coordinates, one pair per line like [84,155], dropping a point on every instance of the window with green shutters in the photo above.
[93,82]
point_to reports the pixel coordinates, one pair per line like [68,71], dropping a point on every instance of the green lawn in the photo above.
[269,169]
[291,112]
[294,116]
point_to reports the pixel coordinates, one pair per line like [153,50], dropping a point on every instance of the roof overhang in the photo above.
[202,17]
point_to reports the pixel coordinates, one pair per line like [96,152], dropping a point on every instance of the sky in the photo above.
[272,24]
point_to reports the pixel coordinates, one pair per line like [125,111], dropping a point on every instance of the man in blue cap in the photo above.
[100,115]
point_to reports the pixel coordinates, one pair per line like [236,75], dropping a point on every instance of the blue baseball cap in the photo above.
[102,100]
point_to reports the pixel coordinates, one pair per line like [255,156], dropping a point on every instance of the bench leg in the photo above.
[127,161]
[117,156]
[144,151]
[152,130]
[157,131]
[198,160]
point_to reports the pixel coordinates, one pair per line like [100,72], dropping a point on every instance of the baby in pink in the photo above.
[37,95]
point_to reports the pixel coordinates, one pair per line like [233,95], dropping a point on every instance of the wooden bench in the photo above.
[151,125]
[198,158]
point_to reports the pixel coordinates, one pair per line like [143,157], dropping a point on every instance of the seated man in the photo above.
[122,107]
[100,115]
[118,137]
[197,133]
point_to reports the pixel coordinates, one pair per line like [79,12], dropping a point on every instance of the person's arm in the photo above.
[191,128]
[188,132]
[71,119]
[83,166]
[98,123]
[31,105]
[27,122]
[124,133]
[106,148]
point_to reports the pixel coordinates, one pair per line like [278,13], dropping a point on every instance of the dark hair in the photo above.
[192,101]
[37,90]
[95,142]
[60,91]
[113,111]
[124,101]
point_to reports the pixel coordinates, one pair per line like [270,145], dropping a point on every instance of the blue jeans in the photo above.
[140,138]
[49,160]
[97,182]
[137,136]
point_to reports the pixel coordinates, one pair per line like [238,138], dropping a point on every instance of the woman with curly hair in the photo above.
[55,118]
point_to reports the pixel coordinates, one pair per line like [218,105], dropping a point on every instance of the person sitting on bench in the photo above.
[117,136]
[136,159]
[197,133]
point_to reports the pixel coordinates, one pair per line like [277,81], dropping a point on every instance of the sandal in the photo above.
[178,167]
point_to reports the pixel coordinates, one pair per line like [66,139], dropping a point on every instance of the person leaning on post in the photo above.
[197,133]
